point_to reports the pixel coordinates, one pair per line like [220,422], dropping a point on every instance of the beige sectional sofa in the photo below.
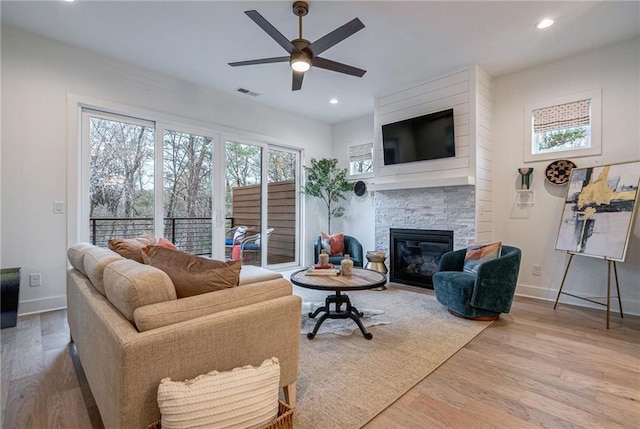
[131,331]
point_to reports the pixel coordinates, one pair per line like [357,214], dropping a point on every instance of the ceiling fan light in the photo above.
[300,65]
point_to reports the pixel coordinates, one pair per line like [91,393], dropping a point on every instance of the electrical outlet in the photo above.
[35,279]
[537,270]
[58,207]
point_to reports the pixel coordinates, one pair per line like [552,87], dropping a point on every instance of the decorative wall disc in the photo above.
[558,172]
[360,188]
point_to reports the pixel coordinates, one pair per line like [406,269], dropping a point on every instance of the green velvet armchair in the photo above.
[481,296]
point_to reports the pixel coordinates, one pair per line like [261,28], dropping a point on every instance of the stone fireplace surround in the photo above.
[439,208]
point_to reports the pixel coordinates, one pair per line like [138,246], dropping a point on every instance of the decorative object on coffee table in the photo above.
[346,265]
[361,279]
[376,262]
[558,172]
[323,258]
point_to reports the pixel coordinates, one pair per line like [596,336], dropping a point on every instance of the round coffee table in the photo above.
[361,279]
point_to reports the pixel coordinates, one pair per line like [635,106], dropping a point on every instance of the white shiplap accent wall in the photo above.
[469,93]
[481,94]
[450,91]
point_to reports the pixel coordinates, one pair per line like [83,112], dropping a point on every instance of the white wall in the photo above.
[615,70]
[37,76]
[358,220]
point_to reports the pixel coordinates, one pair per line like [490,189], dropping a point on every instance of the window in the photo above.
[567,127]
[361,159]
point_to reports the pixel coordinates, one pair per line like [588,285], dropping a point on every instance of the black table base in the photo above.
[350,312]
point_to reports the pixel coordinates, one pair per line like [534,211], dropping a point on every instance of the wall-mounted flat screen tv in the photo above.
[419,139]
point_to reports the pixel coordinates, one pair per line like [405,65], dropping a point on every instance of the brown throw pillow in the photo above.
[131,248]
[193,275]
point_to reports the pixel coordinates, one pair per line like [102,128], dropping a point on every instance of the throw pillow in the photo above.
[193,275]
[245,397]
[163,242]
[131,248]
[476,255]
[333,244]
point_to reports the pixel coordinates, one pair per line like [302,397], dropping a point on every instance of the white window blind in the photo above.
[562,116]
[361,152]
[361,159]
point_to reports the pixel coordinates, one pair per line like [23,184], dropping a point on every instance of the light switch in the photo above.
[58,207]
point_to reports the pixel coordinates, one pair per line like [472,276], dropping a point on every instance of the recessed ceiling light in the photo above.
[545,23]
[333,101]
[68,1]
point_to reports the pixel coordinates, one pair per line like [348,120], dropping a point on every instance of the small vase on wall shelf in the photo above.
[525,177]
[346,265]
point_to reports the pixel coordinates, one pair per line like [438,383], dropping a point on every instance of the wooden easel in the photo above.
[608,303]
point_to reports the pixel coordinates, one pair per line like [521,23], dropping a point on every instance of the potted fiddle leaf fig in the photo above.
[325,180]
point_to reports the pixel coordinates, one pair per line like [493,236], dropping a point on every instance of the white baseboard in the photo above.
[631,307]
[42,305]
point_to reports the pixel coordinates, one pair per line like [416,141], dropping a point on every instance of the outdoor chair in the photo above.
[250,247]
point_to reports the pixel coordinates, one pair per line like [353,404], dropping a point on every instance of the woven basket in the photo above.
[283,421]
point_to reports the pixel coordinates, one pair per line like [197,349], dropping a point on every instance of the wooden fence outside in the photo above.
[281,212]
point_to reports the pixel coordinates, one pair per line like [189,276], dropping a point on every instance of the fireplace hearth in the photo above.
[415,254]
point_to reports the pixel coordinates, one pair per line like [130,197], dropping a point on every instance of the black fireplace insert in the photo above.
[415,254]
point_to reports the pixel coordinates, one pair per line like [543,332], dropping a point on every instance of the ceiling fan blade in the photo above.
[297,81]
[271,31]
[260,61]
[336,36]
[335,66]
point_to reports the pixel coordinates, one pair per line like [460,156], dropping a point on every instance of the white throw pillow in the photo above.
[245,397]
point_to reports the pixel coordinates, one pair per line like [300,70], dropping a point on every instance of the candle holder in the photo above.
[525,177]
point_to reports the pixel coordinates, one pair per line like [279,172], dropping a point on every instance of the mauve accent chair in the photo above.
[479,297]
[352,247]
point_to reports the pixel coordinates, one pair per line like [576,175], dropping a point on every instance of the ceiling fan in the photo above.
[302,53]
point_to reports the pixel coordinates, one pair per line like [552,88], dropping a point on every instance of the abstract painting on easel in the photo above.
[599,211]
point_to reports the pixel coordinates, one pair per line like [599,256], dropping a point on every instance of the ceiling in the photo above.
[403,43]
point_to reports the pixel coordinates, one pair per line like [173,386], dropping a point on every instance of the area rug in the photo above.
[345,381]
[345,327]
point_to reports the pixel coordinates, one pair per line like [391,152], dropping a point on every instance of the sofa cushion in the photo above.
[76,253]
[129,285]
[95,260]
[244,397]
[193,275]
[252,274]
[131,248]
[170,312]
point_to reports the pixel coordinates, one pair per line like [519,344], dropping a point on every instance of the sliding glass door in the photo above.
[263,219]
[213,196]
[282,206]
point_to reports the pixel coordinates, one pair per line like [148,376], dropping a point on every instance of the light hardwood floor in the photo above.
[533,368]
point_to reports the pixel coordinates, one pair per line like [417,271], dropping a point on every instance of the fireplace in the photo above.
[415,254]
